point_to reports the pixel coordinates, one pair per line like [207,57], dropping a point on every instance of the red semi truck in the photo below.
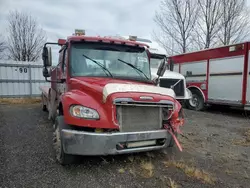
[103,101]
[218,76]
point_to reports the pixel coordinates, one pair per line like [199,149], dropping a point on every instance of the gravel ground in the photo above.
[216,154]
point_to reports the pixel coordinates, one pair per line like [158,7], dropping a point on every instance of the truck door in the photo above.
[61,71]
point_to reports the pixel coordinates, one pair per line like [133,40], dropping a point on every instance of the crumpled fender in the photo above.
[177,120]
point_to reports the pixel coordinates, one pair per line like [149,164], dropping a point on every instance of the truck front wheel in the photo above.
[196,102]
[62,158]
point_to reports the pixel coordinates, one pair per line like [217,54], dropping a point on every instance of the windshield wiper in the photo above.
[104,68]
[129,64]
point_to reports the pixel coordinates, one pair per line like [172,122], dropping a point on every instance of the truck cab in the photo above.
[171,78]
[103,101]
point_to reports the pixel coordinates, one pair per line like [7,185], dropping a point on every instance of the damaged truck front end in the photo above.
[111,107]
[138,125]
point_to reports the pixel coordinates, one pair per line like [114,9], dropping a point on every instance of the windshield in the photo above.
[154,62]
[85,58]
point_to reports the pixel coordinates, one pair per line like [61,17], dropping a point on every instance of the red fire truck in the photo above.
[103,100]
[217,76]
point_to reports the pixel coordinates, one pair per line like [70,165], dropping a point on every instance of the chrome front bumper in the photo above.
[88,143]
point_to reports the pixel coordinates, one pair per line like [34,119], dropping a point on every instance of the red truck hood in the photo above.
[102,88]
[100,93]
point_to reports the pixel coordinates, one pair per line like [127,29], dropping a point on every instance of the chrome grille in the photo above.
[178,89]
[139,118]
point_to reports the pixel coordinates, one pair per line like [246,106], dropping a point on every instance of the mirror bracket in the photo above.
[46,72]
[171,64]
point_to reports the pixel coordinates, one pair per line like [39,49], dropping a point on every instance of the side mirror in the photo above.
[47,57]
[46,72]
[171,64]
[162,68]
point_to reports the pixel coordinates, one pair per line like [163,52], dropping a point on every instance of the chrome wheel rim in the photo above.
[194,102]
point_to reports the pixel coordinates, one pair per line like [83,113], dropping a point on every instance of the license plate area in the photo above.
[140,144]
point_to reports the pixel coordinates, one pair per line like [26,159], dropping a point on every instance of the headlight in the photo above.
[83,112]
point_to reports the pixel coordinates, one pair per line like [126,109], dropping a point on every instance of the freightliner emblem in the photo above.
[146,98]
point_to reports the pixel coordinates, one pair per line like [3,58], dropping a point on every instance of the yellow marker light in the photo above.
[77,111]
[97,130]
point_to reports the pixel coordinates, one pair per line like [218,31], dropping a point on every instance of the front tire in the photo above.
[61,157]
[196,102]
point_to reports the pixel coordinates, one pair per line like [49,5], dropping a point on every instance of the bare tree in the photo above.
[2,46]
[208,23]
[235,22]
[176,20]
[167,42]
[25,38]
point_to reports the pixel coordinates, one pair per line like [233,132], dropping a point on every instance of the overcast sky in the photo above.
[59,18]
[97,17]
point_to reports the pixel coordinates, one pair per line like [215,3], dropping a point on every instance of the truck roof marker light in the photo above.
[61,42]
[79,32]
